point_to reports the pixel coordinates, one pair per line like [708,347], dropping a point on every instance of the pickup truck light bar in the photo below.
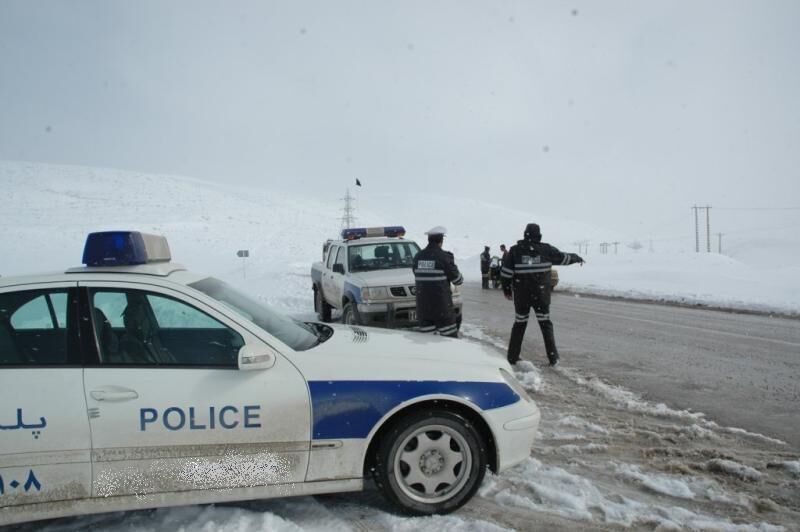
[363,232]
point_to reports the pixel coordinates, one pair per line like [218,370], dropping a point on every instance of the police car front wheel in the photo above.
[350,315]
[431,463]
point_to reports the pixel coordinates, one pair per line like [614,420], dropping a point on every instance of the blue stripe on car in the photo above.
[349,409]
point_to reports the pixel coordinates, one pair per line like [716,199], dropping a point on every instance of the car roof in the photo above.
[166,272]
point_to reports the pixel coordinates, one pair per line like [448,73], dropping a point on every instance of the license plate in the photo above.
[412,315]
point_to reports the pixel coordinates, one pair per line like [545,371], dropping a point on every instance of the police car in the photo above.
[367,276]
[133,383]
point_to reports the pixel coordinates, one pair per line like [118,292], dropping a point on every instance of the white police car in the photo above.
[133,383]
[367,275]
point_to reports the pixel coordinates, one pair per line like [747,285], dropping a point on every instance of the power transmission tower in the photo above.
[348,211]
[697,228]
[615,247]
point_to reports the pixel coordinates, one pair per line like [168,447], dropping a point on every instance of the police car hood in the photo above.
[355,348]
[389,277]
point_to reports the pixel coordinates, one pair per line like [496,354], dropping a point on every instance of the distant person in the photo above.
[434,270]
[526,280]
[503,252]
[486,261]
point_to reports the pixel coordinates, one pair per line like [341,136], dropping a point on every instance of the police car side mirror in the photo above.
[255,357]
[338,268]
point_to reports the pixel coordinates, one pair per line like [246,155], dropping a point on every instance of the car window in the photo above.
[33,328]
[382,256]
[331,255]
[136,328]
[291,332]
[340,256]
[35,314]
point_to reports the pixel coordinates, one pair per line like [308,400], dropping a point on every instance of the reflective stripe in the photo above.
[437,278]
[534,265]
[506,270]
[427,271]
[523,315]
[566,259]
[506,275]
[458,280]
[547,265]
[448,330]
[521,320]
[542,317]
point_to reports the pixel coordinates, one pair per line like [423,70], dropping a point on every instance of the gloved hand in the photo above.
[580,260]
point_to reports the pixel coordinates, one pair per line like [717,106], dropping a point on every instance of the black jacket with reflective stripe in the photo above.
[527,266]
[434,270]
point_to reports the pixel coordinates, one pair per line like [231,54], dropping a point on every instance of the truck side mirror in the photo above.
[338,268]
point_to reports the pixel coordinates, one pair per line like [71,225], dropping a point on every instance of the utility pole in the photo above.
[708,228]
[696,230]
[348,211]
[719,243]
[615,247]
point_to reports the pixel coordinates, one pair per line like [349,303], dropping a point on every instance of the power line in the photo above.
[759,208]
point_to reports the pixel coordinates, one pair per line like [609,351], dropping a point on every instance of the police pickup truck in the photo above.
[133,383]
[367,276]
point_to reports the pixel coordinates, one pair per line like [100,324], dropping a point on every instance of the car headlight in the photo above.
[375,292]
[515,385]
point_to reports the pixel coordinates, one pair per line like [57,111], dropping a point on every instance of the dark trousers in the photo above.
[484,280]
[523,302]
[445,327]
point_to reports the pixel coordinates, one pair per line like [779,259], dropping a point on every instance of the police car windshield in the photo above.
[381,256]
[291,332]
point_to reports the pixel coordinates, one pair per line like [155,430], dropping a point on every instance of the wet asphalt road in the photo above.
[741,370]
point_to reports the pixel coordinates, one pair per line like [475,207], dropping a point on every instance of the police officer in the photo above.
[434,270]
[526,279]
[486,261]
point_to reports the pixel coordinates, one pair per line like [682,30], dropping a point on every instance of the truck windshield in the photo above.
[292,333]
[382,256]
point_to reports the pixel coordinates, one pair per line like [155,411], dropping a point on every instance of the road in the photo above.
[741,370]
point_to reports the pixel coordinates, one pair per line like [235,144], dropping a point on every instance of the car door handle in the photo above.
[113,394]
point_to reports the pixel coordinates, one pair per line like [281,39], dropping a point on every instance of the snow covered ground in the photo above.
[46,211]
[605,457]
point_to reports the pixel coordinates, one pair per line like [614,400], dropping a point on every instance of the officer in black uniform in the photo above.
[486,260]
[526,279]
[434,270]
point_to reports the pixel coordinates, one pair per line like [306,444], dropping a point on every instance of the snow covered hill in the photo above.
[47,210]
[588,469]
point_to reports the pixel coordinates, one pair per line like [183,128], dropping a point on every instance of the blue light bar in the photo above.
[362,232]
[124,248]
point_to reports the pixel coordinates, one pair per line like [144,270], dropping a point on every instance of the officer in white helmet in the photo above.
[434,270]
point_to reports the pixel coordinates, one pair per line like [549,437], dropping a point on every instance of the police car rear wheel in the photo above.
[322,308]
[431,463]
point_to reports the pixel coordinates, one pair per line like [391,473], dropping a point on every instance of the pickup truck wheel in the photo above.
[322,308]
[350,315]
[431,462]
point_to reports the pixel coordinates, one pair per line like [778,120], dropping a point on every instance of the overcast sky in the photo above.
[624,112]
